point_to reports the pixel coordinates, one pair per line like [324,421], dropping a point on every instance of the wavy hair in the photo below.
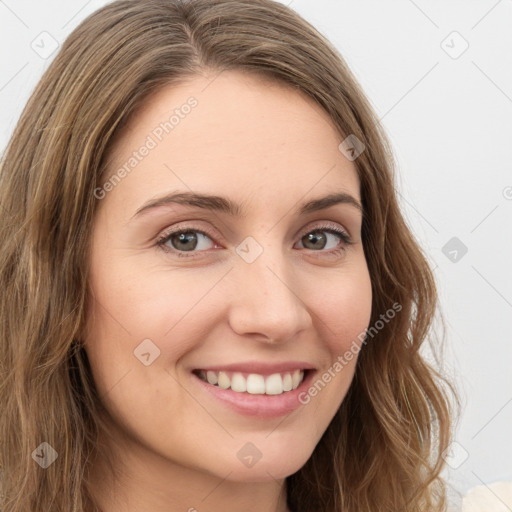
[383,449]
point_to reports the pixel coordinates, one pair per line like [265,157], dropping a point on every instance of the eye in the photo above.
[192,240]
[184,240]
[317,240]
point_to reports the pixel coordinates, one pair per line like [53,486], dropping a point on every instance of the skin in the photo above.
[269,148]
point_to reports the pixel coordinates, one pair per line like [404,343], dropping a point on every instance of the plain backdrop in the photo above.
[439,75]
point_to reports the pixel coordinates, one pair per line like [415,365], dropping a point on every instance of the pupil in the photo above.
[187,237]
[314,237]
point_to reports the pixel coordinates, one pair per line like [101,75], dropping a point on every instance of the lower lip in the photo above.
[262,406]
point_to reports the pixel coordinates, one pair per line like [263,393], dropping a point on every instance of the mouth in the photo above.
[254,383]
[275,392]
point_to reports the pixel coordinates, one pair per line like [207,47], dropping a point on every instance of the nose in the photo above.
[265,303]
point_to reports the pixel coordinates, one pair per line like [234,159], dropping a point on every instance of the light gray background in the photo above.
[448,113]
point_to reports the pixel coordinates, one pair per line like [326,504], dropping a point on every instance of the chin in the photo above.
[274,464]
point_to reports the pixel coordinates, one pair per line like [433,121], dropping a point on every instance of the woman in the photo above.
[211,299]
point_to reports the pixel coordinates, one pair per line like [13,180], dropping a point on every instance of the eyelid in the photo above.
[325,224]
[317,225]
[166,234]
[341,232]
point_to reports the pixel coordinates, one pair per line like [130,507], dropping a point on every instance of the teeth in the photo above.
[274,385]
[212,377]
[297,378]
[255,384]
[238,383]
[287,382]
[224,381]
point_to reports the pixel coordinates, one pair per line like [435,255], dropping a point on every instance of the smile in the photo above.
[253,383]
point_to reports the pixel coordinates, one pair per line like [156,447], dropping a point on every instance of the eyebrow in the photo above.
[225,205]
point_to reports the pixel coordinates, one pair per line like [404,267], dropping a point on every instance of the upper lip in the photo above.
[260,368]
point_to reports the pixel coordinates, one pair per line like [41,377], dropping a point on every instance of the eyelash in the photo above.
[344,236]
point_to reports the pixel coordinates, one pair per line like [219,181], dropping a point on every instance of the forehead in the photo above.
[231,134]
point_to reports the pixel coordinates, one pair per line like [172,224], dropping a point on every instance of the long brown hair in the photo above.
[383,449]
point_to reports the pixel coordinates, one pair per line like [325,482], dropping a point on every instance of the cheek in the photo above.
[342,311]
[139,302]
[139,319]
[343,308]
[134,312]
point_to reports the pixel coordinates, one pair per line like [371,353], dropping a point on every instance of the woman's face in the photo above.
[258,283]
